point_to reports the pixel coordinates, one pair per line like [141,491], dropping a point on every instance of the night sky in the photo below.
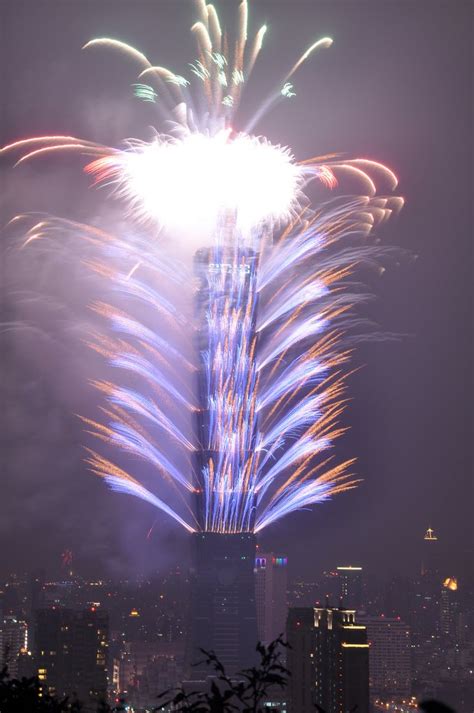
[395,86]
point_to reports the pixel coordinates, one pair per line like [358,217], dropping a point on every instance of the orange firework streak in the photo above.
[292,356]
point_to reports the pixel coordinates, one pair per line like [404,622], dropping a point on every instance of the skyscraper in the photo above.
[389,656]
[271,580]
[449,609]
[430,554]
[71,652]
[350,586]
[226,316]
[428,586]
[328,661]
[13,642]
[224,616]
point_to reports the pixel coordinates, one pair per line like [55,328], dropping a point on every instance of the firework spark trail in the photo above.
[272,293]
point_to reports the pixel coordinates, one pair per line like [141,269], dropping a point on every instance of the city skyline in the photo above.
[416,630]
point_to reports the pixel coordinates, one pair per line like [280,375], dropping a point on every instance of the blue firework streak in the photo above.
[271,287]
[268,337]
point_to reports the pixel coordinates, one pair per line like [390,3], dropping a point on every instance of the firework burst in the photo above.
[270,285]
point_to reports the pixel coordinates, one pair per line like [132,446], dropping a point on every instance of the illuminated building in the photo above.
[224,616]
[71,653]
[425,619]
[328,660]
[350,586]
[450,609]
[430,554]
[13,642]
[271,579]
[389,657]
[227,280]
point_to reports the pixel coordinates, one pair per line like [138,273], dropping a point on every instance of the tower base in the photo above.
[223,612]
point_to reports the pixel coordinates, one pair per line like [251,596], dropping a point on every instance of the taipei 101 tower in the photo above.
[224,612]
[225,300]
[224,616]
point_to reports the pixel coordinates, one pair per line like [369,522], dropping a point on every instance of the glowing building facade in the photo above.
[389,656]
[71,653]
[328,660]
[13,642]
[271,580]
[350,586]
[450,609]
[430,558]
[226,305]
[224,613]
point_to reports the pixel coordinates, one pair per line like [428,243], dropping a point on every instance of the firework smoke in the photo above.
[269,293]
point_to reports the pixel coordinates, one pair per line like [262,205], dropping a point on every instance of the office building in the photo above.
[430,554]
[13,643]
[450,610]
[328,660]
[389,657]
[271,581]
[350,586]
[71,653]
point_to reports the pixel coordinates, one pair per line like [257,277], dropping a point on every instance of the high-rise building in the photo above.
[450,609]
[223,615]
[427,588]
[430,554]
[389,656]
[350,586]
[328,660]
[271,581]
[71,653]
[13,642]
